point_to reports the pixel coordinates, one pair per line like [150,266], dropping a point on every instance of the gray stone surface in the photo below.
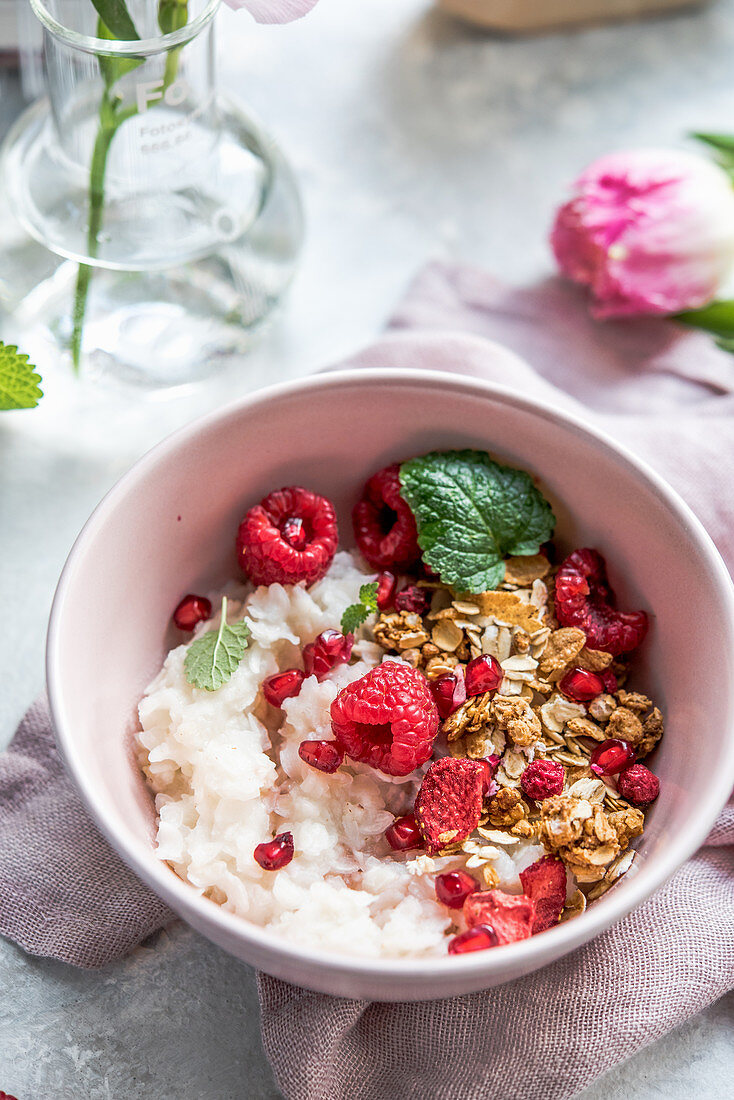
[414,137]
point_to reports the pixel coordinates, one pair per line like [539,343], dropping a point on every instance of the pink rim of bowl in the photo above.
[388,979]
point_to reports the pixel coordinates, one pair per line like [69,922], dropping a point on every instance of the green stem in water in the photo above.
[172,15]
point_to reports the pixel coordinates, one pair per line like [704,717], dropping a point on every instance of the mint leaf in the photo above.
[19,387]
[212,658]
[472,513]
[356,613]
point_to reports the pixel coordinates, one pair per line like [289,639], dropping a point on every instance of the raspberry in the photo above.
[384,526]
[449,802]
[388,719]
[638,785]
[191,611]
[510,915]
[288,537]
[585,600]
[544,882]
[542,778]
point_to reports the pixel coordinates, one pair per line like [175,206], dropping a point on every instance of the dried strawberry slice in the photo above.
[449,803]
[511,915]
[545,883]
[585,600]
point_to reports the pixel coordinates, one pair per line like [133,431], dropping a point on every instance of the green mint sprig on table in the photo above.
[115,24]
[356,613]
[19,383]
[215,656]
[471,514]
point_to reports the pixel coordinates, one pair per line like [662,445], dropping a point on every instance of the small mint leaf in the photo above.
[356,613]
[471,514]
[19,388]
[214,657]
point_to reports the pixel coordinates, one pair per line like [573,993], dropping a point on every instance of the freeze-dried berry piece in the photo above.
[273,548]
[449,803]
[638,785]
[585,600]
[414,599]
[384,526]
[511,915]
[542,778]
[545,883]
[387,719]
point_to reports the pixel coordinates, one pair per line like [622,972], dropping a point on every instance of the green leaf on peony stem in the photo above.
[723,146]
[716,318]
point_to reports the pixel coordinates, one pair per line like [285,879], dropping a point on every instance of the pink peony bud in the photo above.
[274,11]
[649,231]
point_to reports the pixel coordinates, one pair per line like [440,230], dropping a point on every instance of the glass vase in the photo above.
[168,221]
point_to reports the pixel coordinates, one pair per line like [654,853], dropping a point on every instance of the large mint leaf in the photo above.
[213,658]
[471,514]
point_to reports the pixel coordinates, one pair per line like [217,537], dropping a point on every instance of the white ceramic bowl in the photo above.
[168,527]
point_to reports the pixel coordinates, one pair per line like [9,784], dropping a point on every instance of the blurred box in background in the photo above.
[524,16]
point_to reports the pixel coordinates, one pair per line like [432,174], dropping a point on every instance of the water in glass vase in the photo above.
[157,223]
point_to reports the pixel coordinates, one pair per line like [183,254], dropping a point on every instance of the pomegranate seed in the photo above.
[387,583]
[274,854]
[612,757]
[294,532]
[454,887]
[581,685]
[283,685]
[404,834]
[483,674]
[191,611]
[478,938]
[329,649]
[325,756]
[609,680]
[449,692]
[489,766]
[414,599]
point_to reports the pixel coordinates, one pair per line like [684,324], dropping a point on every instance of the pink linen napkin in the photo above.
[668,394]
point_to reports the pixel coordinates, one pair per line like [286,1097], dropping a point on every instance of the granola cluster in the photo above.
[589,826]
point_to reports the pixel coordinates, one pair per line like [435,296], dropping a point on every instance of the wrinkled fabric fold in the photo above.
[668,395]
